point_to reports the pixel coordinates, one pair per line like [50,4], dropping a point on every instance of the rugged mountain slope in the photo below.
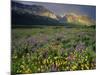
[23,14]
[32,14]
[78,19]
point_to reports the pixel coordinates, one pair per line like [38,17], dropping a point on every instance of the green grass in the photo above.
[50,49]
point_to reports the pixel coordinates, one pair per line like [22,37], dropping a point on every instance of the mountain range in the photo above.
[22,14]
[78,19]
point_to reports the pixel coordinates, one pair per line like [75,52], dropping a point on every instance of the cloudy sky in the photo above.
[61,9]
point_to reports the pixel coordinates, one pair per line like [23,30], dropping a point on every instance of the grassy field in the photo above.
[50,49]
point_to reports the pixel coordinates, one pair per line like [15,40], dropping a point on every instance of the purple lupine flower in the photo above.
[33,49]
[71,57]
[32,41]
[80,47]
[43,38]
[53,68]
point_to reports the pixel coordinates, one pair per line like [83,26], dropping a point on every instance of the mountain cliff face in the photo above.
[78,19]
[32,14]
[33,10]
[23,14]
